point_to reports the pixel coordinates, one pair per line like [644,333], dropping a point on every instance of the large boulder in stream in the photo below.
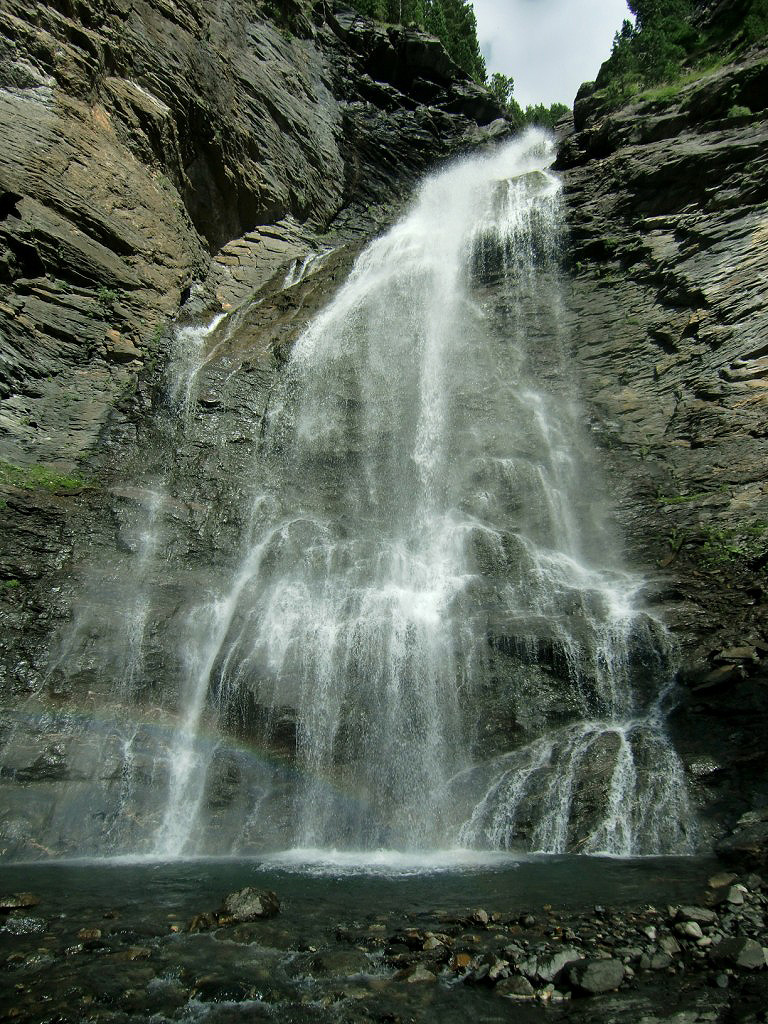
[249,904]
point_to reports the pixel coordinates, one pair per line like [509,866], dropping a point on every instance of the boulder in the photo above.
[250,904]
[594,976]
[746,846]
[738,951]
[516,987]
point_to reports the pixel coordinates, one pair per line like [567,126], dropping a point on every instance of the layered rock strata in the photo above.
[669,245]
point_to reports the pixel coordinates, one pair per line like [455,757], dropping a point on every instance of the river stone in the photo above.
[669,945]
[690,929]
[740,951]
[721,879]
[416,975]
[701,915]
[548,968]
[516,987]
[339,963]
[250,904]
[593,976]
[18,901]
[735,895]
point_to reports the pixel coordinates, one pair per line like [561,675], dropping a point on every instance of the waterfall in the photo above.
[428,554]
[380,606]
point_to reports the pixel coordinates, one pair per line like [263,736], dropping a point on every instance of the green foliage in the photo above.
[502,87]
[722,547]
[41,478]
[107,298]
[667,39]
[452,21]
[461,36]
[545,117]
[756,21]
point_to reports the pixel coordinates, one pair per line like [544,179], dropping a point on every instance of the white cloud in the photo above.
[548,46]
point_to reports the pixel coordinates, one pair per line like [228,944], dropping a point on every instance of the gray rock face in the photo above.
[150,156]
[670,305]
[135,144]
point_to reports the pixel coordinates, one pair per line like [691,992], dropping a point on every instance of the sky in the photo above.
[549,47]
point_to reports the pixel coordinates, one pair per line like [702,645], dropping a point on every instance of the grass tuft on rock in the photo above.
[42,478]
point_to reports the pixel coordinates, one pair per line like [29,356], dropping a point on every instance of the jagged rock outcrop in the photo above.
[137,138]
[669,244]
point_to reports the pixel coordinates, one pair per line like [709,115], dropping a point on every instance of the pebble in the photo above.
[416,975]
[18,901]
[736,895]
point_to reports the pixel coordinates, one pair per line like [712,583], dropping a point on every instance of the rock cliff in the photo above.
[669,244]
[159,156]
[154,154]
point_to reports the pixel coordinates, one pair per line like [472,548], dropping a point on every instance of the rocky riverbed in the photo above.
[342,950]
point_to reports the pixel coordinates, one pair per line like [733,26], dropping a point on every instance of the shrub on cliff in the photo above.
[671,36]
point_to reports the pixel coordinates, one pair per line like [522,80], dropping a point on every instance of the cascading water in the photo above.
[426,548]
[405,626]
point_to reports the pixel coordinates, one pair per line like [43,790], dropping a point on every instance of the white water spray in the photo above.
[424,491]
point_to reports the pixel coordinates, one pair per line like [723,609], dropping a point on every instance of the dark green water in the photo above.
[323,958]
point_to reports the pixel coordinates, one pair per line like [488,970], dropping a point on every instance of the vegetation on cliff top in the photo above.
[455,25]
[452,21]
[502,87]
[671,37]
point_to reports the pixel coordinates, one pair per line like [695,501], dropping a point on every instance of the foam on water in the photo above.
[386,863]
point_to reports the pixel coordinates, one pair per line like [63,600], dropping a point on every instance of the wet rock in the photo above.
[202,922]
[594,976]
[516,987]
[23,924]
[416,975]
[669,945]
[739,951]
[701,915]
[746,846]
[547,968]
[461,961]
[339,963]
[735,895]
[131,954]
[18,901]
[689,929]
[721,879]
[250,904]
